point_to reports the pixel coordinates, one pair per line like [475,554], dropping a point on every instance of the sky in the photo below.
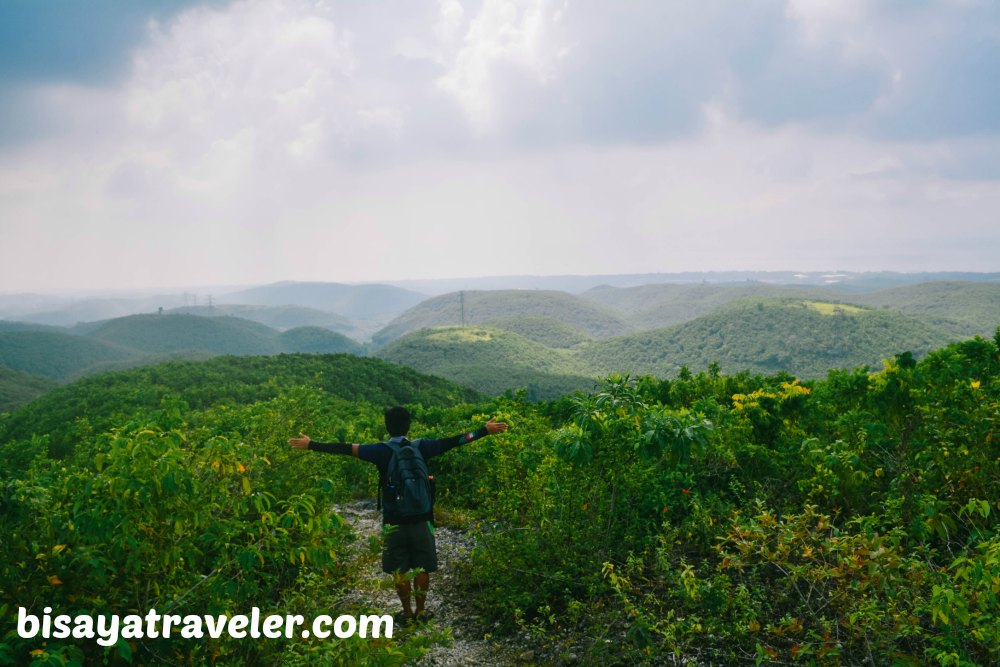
[178,142]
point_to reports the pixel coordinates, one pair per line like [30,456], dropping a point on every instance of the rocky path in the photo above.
[451,611]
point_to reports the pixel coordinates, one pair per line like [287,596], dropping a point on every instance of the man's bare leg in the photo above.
[421,583]
[403,590]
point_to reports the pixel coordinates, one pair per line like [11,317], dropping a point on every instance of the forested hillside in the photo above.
[962,308]
[708,518]
[490,360]
[69,413]
[57,355]
[803,338]
[171,333]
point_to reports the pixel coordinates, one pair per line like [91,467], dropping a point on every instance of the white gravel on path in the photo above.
[451,611]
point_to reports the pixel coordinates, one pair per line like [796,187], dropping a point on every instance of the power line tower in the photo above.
[461,296]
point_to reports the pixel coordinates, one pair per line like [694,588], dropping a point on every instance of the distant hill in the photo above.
[490,360]
[94,402]
[380,303]
[963,308]
[281,318]
[18,388]
[805,338]
[171,333]
[57,355]
[480,307]
[657,306]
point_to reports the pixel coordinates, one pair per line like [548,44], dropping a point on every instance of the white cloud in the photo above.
[517,34]
[291,139]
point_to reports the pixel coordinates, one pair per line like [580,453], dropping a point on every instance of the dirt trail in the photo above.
[451,610]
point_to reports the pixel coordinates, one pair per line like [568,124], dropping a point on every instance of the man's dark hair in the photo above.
[397,421]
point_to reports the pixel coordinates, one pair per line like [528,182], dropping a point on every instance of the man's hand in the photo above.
[301,442]
[493,426]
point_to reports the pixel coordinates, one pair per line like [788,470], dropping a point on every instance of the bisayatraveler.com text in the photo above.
[107,629]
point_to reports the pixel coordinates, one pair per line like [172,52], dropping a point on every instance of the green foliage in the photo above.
[705,518]
[840,521]
[97,403]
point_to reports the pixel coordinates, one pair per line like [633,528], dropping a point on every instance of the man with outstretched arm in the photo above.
[410,545]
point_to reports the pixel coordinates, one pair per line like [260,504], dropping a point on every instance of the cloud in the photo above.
[304,139]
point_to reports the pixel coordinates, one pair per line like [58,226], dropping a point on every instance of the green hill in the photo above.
[542,329]
[963,308]
[804,338]
[481,307]
[490,360]
[57,355]
[18,388]
[317,340]
[172,333]
[94,403]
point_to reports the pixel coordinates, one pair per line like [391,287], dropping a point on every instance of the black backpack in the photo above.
[407,490]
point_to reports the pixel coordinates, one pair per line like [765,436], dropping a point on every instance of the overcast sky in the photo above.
[175,143]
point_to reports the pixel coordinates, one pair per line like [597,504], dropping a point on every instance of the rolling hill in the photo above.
[18,388]
[490,360]
[963,308]
[95,402]
[805,338]
[480,307]
[57,355]
[154,334]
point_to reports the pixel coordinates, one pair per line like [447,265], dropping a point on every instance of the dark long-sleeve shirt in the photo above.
[380,454]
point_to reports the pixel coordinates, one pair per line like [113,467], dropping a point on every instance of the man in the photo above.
[410,545]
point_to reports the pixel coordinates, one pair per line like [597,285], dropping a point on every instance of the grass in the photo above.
[832,308]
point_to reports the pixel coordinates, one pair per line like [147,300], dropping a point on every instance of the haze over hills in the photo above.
[545,340]
[853,281]
[374,302]
[282,317]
